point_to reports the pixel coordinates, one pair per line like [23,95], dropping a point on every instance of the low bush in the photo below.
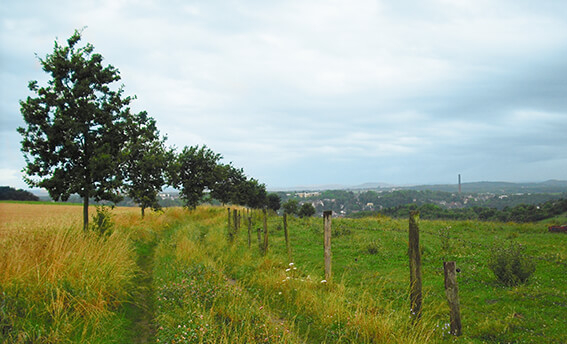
[510,264]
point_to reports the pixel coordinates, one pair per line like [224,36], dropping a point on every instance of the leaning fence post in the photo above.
[288,247]
[452,292]
[415,264]
[327,243]
[265,231]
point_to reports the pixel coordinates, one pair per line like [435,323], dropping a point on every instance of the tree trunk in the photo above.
[85,213]
[143,211]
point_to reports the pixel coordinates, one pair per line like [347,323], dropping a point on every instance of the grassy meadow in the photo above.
[175,277]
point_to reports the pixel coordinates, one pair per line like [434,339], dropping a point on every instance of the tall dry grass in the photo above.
[59,283]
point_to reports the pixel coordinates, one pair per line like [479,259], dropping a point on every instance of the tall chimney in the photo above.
[459,183]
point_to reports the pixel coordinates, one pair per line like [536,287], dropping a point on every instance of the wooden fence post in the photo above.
[239,218]
[327,215]
[235,214]
[287,246]
[229,232]
[452,292]
[415,265]
[249,231]
[260,245]
[265,250]
[229,226]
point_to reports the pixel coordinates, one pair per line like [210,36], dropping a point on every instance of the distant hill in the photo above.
[550,186]
[10,194]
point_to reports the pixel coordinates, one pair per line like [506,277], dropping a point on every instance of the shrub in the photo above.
[306,210]
[373,247]
[510,264]
[102,220]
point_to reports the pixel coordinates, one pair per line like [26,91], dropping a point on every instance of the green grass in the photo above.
[368,299]
[194,286]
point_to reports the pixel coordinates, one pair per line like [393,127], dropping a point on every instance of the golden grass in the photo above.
[58,278]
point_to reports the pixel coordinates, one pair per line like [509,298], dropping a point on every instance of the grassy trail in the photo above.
[141,311]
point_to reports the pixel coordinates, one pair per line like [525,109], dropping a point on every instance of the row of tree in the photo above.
[81,137]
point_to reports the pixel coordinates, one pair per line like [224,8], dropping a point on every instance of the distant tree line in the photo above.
[349,202]
[81,137]
[10,194]
[519,213]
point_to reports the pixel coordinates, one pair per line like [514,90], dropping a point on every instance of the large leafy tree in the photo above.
[193,172]
[145,162]
[254,193]
[227,180]
[75,131]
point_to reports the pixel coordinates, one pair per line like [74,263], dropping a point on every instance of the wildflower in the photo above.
[324,281]
[280,293]
[290,264]
[287,270]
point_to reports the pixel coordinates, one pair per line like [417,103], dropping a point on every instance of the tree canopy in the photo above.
[75,126]
[145,162]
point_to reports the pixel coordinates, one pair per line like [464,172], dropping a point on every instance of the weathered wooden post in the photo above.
[287,246]
[265,251]
[260,244]
[239,218]
[235,214]
[327,215]
[415,265]
[249,231]
[229,226]
[452,292]
[229,231]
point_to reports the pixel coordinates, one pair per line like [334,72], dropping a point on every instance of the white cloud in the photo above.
[274,86]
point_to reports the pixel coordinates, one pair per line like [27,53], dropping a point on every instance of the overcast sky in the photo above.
[322,92]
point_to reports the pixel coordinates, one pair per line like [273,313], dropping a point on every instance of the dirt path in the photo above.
[141,311]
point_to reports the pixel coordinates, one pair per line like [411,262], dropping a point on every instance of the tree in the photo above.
[75,126]
[145,163]
[306,210]
[291,206]
[226,186]
[253,193]
[193,172]
[273,201]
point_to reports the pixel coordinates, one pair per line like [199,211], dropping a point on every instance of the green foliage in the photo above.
[193,171]
[8,193]
[373,247]
[510,264]
[273,201]
[102,220]
[291,206]
[146,161]
[306,210]
[75,126]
